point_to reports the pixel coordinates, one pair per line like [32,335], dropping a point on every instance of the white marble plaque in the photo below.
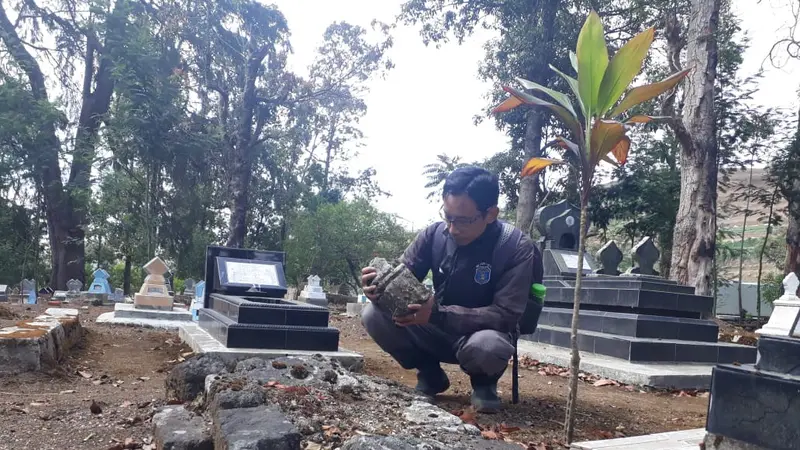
[572,262]
[253,274]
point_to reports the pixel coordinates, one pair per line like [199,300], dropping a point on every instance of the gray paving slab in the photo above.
[202,342]
[670,376]
[128,311]
[109,318]
[674,440]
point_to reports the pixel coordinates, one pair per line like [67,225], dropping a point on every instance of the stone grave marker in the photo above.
[154,293]
[313,292]
[4,292]
[197,300]
[100,283]
[785,312]
[645,256]
[188,286]
[29,291]
[119,295]
[610,257]
[559,241]
[74,286]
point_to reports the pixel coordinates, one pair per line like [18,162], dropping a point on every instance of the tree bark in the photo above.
[792,263]
[241,150]
[535,121]
[126,276]
[763,250]
[694,240]
[741,243]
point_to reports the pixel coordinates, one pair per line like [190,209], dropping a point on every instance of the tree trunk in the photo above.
[792,263]
[741,243]
[575,359]
[763,250]
[694,241]
[126,276]
[529,186]
[241,150]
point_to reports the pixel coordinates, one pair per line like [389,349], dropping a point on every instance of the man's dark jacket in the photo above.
[471,294]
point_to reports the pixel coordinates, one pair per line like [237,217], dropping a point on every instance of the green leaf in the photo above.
[606,134]
[592,61]
[562,99]
[573,84]
[568,118]
[644,93]
[624,66]
[573,59]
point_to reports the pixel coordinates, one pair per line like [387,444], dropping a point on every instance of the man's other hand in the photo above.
[417,314]
[367,275]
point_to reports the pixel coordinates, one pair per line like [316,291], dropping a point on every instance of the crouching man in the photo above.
[482,273]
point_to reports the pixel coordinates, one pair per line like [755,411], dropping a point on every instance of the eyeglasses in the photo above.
[459,222]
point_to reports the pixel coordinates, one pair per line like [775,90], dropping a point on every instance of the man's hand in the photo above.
[367,275]
[418,314]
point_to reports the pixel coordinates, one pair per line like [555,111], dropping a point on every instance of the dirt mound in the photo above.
[6,313]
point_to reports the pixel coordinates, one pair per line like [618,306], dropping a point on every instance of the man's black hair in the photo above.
[479,184]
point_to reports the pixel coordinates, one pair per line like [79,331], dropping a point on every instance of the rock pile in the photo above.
[302,403]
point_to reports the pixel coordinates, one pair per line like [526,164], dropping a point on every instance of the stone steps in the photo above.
[635,325]
[638,349]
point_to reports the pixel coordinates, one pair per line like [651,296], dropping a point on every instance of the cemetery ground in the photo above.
[104,394]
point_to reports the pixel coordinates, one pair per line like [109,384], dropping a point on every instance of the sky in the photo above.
[426,104]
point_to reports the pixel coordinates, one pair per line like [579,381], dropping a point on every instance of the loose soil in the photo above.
[123,369]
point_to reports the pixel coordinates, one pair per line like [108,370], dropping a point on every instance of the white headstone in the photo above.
[313,291]
[785,312]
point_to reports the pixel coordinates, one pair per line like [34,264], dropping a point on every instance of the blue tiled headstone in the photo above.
[197,302]
[29,291]
[100,283]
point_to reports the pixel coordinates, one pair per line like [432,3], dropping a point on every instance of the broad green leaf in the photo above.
[620,151]
[536,165]
[623,68]
[573,84]
[644,93]
[567,117]
[592,61]
[606,134]
[507,105]
[573,59]
[562,99]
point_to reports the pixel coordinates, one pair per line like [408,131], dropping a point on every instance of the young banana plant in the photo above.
[596,131]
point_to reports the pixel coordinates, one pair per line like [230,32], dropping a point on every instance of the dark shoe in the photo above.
[484,396]
[432,381]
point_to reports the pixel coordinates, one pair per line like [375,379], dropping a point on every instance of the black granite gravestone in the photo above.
[759,404]
[559,243]
[244,305]
[639,317]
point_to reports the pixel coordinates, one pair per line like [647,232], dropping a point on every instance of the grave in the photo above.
[99,289]
[637,318]
[152,305]
[74,290]
[313,293]
[245,315]
[4,292]
[757,406]
[28,288]
[188,286]
[39,343]
[119,295]
[197,301]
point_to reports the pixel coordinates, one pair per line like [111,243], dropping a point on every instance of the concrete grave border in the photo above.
[32,345]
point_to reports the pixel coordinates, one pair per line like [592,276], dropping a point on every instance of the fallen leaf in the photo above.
[37,404]
[604,382]
[67,392]
[488,434]
[507,429]
[704,394]
[90,436]
[85,374]
[125,405]
[271,384]
[144,378]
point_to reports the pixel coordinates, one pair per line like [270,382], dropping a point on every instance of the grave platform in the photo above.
[128,314]
[674,440]
[33,345]
[202,342]
[657,375]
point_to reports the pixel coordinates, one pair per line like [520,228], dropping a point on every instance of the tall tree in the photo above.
[694,240]
[93,39]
